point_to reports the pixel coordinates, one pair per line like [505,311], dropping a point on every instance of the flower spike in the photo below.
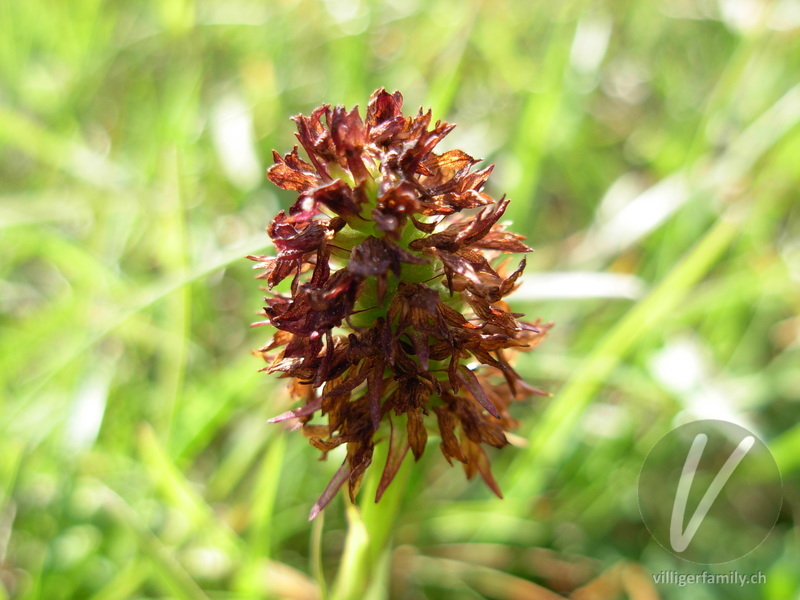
[393,325]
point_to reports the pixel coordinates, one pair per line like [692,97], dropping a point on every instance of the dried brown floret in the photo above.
[395,310]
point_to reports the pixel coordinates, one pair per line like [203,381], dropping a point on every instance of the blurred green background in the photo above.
[650,150]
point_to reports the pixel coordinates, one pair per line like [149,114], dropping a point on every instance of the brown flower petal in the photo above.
[417,436]
[291,172]
[384,115]
[342,475]
[316,139]
[398,448]
[336,196]
[450,445]
[377,233]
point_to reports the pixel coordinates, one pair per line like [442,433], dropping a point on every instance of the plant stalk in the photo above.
[369,532]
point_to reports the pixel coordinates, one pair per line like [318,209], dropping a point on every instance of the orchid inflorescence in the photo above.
[394,309]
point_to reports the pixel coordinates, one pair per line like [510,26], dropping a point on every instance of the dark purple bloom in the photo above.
[394,297]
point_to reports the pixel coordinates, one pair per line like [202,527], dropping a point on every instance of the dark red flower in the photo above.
[394,298]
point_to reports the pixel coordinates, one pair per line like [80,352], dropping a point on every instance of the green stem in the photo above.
[316,554]
[354,568]
[369,530]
